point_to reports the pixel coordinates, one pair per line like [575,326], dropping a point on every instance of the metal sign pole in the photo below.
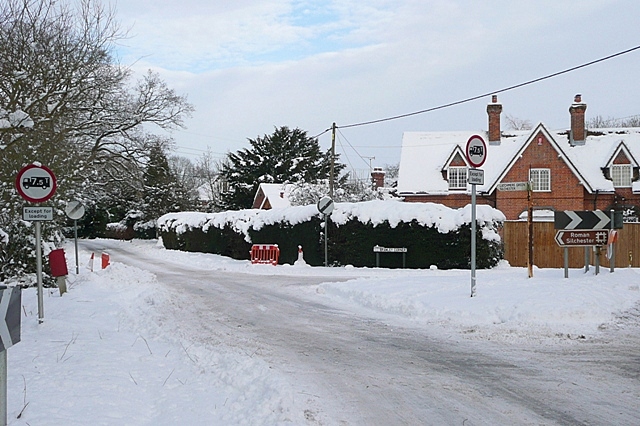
[39,273]
[326,251]
[473,240]
[75,231]
[3,388]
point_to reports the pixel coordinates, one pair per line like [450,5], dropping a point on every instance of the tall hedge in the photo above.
[352,235]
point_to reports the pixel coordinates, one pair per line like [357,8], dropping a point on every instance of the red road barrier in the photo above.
[58,263]
[265,253]
[105,260]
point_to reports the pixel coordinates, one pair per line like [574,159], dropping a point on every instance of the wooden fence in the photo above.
[547,253]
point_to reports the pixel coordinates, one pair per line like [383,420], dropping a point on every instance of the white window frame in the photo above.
[456,181]
[621,175]
[540,180]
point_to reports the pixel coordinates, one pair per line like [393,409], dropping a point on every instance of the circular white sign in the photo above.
[36,183]
[476,151]
[325,205]
[74,210]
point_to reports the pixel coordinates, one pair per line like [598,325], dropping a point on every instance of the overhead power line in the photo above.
[484,95]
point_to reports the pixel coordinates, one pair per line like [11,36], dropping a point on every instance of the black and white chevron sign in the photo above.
[10,305]
[581,219]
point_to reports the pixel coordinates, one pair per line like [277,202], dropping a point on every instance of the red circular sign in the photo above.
[476,151]
[36,183]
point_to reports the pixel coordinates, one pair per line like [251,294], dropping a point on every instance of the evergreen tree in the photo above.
[163,193]
[286,156]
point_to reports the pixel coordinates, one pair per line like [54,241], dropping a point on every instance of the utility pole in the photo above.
[333,159]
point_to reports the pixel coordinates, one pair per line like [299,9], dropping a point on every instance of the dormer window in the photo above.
[457,177]
[621,175]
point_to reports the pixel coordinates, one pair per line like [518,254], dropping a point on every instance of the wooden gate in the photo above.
[547,253]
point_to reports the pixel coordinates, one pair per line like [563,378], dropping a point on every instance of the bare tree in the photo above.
[515,123]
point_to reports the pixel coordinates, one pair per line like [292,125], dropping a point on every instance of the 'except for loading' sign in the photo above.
[36,183]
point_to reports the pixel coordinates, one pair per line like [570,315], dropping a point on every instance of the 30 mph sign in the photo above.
[476,151]
[36,183]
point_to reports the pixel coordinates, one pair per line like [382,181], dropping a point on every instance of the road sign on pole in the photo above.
[75,211]
[476,151]
[582,219]
[513,186]
[10,314]
[567,238]
[476,176]
[325,206]
[36,183]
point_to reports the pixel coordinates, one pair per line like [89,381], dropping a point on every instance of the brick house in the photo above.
[271,195]
[574,169]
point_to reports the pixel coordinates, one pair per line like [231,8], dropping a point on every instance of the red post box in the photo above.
[58,263]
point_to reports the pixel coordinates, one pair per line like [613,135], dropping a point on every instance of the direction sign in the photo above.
[582,219]
[325,205]
[582,238]
[513,186]
[36,183]
[476,151]
[74,210]
[476,176]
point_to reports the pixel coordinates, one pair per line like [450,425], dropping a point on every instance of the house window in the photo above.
[457,177]
[540,180]
[621,175]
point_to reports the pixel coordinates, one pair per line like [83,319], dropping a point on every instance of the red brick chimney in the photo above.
[493,110]
[377,177]
[578,131]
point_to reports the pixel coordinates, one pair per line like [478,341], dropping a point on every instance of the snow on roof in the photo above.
[425,155]
[276,193]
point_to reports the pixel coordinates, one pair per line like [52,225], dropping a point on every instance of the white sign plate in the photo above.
[513,186]
[476,151]
[74,210]
[325,205]
[33,214]
[476,176]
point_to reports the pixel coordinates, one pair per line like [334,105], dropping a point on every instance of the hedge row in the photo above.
[352,233]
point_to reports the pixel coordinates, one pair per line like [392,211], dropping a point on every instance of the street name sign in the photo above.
[582,238]
[476,176]
[582,219]
[513,186]
[35,214]
[378,249]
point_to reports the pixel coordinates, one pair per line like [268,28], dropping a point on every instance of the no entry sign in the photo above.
[36,183]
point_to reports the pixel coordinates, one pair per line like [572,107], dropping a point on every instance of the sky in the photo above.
[110,350]
[249,66]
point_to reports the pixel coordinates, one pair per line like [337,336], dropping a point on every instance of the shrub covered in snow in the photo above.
[432,233]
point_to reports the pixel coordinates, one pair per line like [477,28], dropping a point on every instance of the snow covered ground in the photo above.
[103,357]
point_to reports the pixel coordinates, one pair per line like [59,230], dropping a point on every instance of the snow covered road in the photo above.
[350,367]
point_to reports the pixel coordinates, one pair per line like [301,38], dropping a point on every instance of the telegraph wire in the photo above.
[484,95]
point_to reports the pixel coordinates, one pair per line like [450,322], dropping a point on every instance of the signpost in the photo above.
[513,186]
[524,186]
[325,207]
[476,153]
[36,183]
[75,211]
[568,238]
[583,219]
[584,228]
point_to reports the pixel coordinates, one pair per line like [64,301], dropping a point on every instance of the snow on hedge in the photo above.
[443,218]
